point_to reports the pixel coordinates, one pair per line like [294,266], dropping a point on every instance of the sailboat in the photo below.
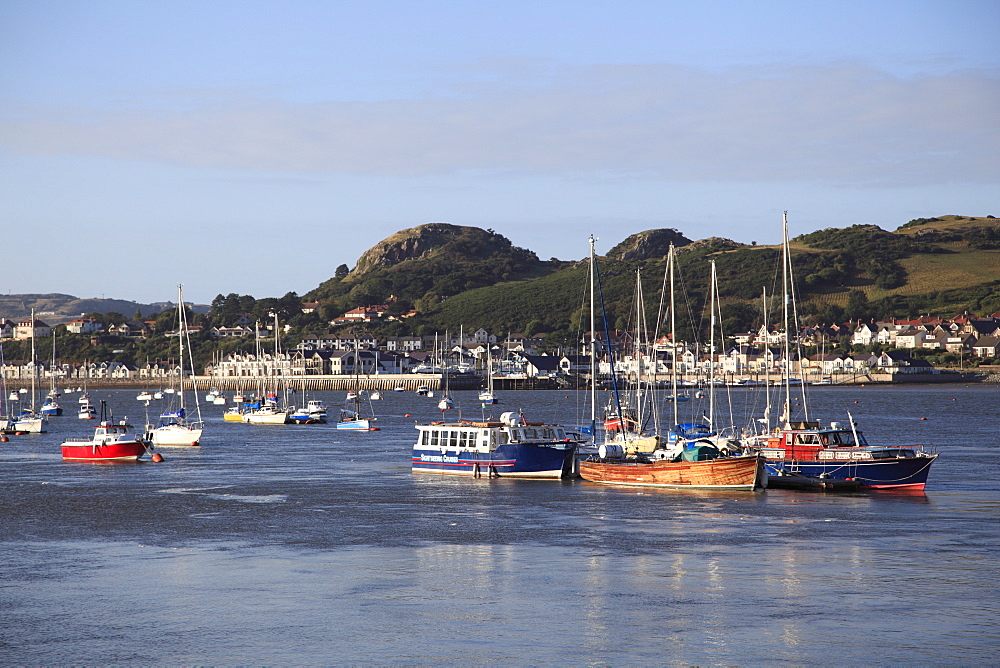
[6,422]
[266,409]
[488,396]
[175,429]
[802,454]
[680,464]
[350,415]
[50,406]
[28,421]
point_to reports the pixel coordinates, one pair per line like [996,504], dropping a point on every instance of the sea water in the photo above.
[302,544]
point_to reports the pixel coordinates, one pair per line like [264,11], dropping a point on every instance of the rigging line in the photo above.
[607,335]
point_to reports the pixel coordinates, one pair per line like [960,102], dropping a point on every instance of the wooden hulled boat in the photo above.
[742,472]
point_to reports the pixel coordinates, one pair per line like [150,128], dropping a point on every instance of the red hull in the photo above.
[115,452]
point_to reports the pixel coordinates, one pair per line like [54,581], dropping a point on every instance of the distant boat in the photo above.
[144,396]
[87,412]
[175,429]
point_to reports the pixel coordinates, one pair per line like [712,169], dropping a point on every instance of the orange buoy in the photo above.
[407,415]
[157,457]
[4,439]
[855,402]
[923,418]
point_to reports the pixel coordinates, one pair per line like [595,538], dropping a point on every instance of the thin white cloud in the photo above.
[845,123]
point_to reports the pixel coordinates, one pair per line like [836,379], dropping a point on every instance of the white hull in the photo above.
[355,425]
[175,435]
[266,418]
[30,426]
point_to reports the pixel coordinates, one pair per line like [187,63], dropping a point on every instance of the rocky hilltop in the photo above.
[425,242]
[648,245]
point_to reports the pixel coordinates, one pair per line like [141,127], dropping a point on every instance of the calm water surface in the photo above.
[302,545]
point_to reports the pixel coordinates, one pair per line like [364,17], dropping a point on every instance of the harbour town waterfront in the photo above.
[308,545]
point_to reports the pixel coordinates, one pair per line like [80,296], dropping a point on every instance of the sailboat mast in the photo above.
[673,335]
[180,337]
[593,351]
[787,299]
[34,363]
[767,390]
[711,349]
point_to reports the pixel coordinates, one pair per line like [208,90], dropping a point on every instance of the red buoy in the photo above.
[923,418]
[157,457]
[407,415]
[4,439]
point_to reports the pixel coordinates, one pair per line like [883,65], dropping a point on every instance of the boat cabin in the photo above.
[808,441]
[488,436]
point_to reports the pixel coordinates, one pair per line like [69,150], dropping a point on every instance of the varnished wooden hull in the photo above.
[732,473]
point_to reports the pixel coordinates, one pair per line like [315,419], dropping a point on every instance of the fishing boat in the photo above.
[112,442]
[175,429]
[511,447]
[87,411]
[801,454]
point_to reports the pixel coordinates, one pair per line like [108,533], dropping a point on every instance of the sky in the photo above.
[254,146]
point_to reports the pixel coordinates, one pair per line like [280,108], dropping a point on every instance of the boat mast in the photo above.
[34,363]
[711,349]
[180,337]
[593,352]
[673,334]
[788,334]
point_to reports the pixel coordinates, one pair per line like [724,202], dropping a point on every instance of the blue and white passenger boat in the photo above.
[511,447]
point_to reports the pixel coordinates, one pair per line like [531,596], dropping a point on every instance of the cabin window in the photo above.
[530,434]
[547,434]
[434,438]
[454,438]
[468,439]
[807,439]
[501,438]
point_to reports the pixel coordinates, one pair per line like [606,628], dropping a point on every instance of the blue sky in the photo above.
[253,146]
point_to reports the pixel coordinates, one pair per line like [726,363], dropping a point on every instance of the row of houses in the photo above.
[964,334]
[46,372]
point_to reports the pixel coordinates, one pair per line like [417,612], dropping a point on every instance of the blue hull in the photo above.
[51,411]
[512,460]
[873,474]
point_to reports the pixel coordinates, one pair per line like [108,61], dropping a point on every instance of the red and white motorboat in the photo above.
[112,442]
